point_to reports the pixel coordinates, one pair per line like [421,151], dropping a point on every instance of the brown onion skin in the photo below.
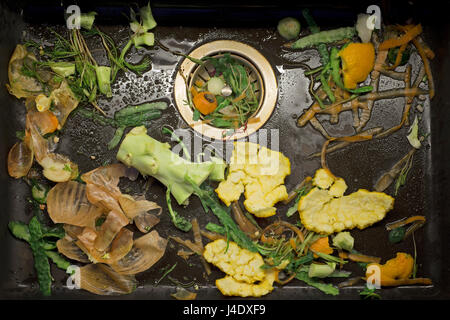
[20,160]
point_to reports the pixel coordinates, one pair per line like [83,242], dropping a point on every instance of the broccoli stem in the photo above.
[154,158]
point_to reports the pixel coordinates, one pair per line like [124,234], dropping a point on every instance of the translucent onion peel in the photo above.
[57,167]
[146,251]
[64,100]
[20,85]
[71,250]
[67,203]
[103,280]
[183,294]
[102,186]
[20,160]
[114,222]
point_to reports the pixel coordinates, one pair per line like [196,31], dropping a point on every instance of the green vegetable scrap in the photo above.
[324,287]
[232,229]
[320,270]
[392,55]
[413,134]
[41,262]
[289,28]
[87,20]
[39,237]
[232,111]
[39,192]
[154,158]
[130,116]
[397,235]
[300,193]
[343,240]
[328,36]
[104,80]
[322,47]
[179,221]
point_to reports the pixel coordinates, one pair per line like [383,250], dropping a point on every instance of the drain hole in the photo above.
[247,111]
[252,115]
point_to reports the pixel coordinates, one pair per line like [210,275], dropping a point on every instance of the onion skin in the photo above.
[102,280]
[67,203]
[20,160]
[146,251]
[71,250]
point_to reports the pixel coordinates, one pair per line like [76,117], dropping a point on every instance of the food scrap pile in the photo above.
[85,219]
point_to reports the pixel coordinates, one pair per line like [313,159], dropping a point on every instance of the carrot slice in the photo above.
[321,245]
[410,34]
[426,64]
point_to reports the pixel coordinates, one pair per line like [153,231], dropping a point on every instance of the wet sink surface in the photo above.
[361,164]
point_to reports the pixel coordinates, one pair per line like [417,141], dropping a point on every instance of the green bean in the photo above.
[327,36]
[116,138]
[325,85]
[319,101]
[359,90]
[90,114]
[335,67]
[137,119]
[132,110]
[313,71]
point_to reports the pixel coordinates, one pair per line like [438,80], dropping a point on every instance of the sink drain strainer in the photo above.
[261,73]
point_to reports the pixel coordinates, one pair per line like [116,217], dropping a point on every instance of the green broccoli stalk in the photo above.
[154,158]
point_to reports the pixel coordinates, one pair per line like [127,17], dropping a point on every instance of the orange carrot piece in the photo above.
[410,34]
[321,245]
[426,64]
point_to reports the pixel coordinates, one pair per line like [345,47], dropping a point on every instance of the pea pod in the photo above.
[138,109]
[327,36]
[134,120]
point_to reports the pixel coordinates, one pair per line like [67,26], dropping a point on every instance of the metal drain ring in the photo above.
[263,74]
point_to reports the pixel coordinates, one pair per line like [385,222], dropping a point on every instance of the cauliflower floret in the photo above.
[245,277]
[326,210]
[258,172]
